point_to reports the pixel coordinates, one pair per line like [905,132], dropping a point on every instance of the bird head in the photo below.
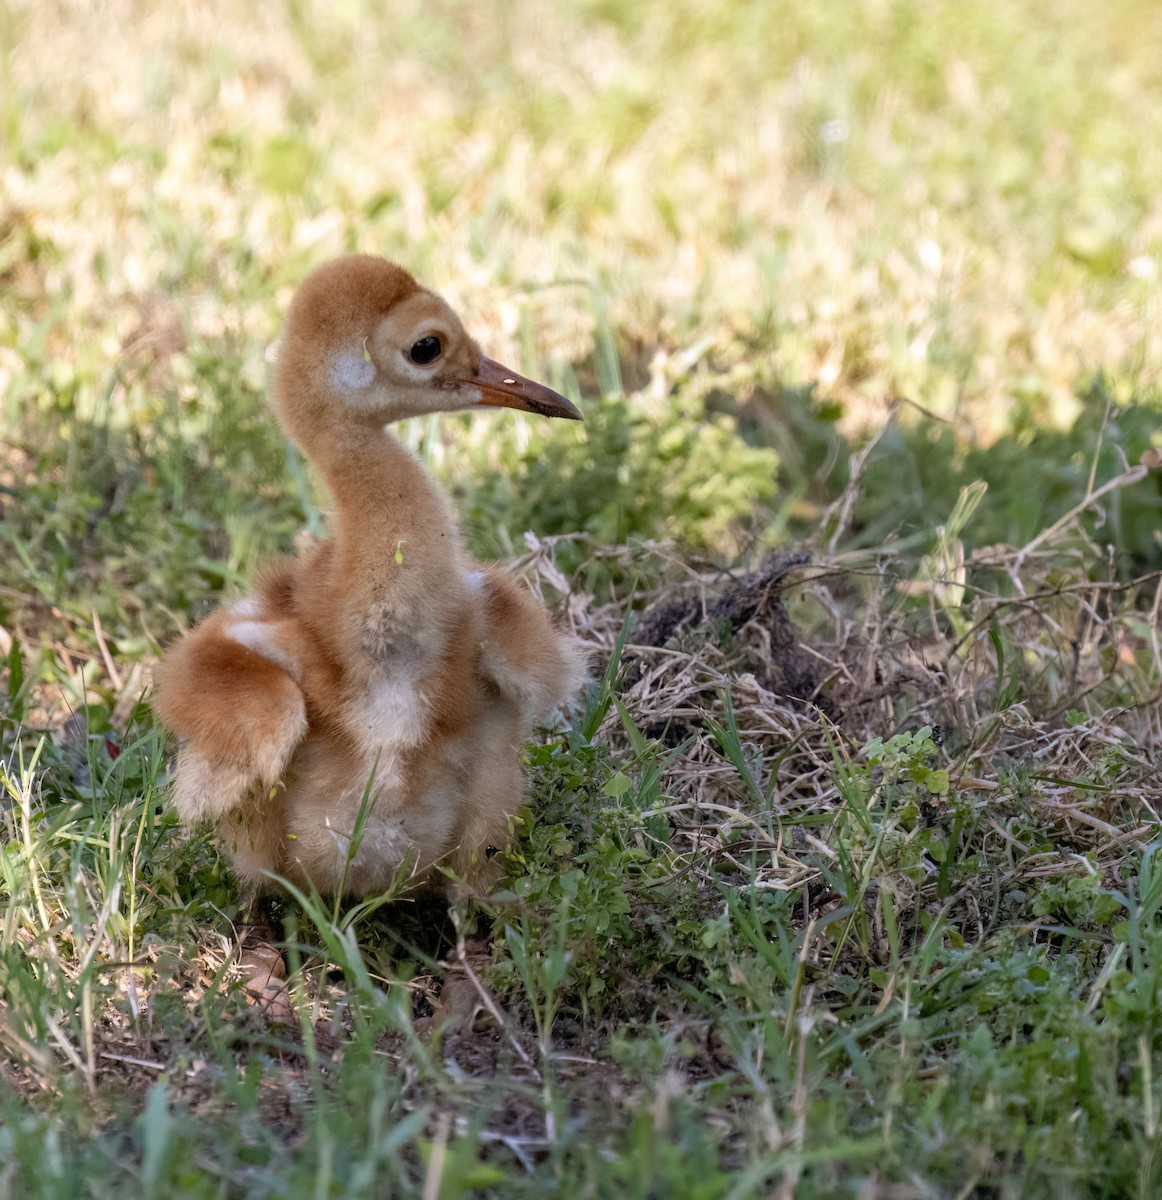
[365,344]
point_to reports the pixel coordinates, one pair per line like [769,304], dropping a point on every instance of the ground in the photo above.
[843,880]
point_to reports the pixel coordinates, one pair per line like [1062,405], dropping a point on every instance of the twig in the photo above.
[1126,479]
[493,1008]
[110,667]
[439,1154]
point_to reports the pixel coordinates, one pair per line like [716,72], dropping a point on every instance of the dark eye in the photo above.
[426,350]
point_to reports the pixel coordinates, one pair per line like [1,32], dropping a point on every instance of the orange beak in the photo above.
[501,388]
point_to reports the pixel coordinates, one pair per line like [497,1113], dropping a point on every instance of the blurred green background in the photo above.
[745,233]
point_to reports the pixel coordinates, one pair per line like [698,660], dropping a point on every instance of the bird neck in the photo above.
[389,510]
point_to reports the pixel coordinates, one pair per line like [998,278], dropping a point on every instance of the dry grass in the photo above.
[867,210]
[764,935]
[1074,661]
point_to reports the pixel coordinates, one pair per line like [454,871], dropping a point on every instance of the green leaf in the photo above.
[617,786]
[15,680]
[482,1175]
[156,1125]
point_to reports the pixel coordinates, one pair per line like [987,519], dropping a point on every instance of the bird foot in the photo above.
[455,1009]
[263,973]
[463,995]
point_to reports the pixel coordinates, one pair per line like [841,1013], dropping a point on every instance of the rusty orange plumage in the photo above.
[385,657]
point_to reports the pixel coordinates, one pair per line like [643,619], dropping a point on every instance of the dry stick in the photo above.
[33,1054]
[110,667]
[842,508]
[1126,479]
[1032,601]
[799,1107]
[493,1009]
[134,1062]
[436,1162]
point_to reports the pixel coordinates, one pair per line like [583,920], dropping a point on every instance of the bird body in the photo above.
[361,713]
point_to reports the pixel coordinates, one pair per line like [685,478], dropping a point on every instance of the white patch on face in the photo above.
[474,580]
[351,371]
[259,636]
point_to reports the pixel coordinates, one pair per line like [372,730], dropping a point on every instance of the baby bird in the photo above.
[358,718]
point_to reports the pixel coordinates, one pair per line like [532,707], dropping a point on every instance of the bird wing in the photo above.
[229,689]
[523,655]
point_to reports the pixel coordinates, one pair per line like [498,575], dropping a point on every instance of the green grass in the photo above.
[874,919]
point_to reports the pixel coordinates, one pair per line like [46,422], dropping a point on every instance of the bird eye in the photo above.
[426,350]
